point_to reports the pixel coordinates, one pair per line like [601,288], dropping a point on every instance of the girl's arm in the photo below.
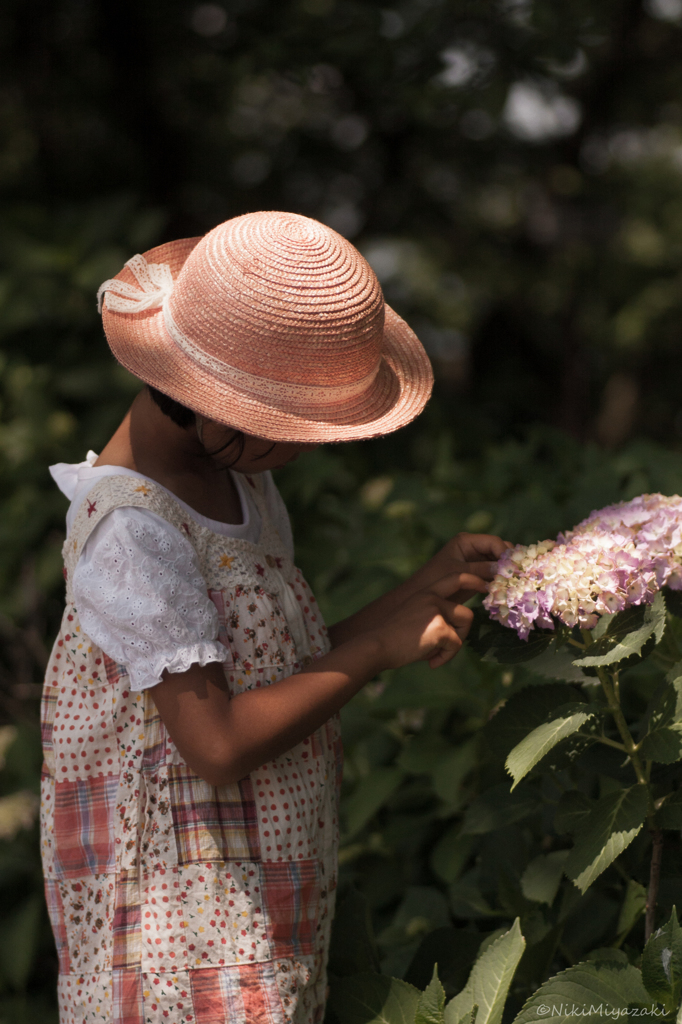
[223,739]
[475,553]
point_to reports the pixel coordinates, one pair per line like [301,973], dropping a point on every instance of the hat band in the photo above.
[264,387]
[154,289]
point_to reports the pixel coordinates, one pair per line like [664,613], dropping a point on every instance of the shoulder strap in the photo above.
[255,484]
[112,492]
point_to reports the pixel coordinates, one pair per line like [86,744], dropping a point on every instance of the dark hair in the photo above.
[184,417]
[180,414]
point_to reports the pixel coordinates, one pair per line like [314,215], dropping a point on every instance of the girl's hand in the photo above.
[466,555]
[475,553]
[430,625]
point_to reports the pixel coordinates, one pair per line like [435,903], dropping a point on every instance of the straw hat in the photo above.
[271,323]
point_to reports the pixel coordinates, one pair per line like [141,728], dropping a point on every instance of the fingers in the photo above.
[457,581]
[454,626]
[475,546]
[461,618]
[486,570]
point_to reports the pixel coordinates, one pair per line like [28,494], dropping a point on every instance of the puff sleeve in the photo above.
[141,598]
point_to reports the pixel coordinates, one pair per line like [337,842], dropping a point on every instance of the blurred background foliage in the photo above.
[513,171]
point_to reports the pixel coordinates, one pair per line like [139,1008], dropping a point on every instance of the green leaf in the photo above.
[662,964]
[673,601]
[633,907]
[352,949]
[669,814]
[489,980]
[19,939]
[564,721]
[663,739]
[423,908]
[432,1002]
[453,769]
[453,950]
[467,901]
[572,808]
[605,832]
[522,713]
[555,663]
[371,793]
[501,645]
[541,879]
[451,852]
[374,999]
[590,989]
[516,651]
[664,745]
[497,807]
[613,646]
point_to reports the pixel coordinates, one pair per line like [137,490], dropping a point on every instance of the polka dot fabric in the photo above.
[171,899]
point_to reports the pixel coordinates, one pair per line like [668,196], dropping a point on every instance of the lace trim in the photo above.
[148,672]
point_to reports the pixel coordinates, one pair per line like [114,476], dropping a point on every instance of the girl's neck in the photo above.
[150,443]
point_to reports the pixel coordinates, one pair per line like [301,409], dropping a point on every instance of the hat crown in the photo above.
[284,297]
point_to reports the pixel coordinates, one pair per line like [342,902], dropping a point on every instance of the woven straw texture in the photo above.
[275,325]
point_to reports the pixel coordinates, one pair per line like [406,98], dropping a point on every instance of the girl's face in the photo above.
[258,454]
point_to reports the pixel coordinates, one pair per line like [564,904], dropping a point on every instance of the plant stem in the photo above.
[654,879]
[611,743]
[621,724]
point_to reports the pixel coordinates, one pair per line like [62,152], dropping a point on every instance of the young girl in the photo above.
[192,752]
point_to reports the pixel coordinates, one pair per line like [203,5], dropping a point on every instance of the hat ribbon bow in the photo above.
[155,284]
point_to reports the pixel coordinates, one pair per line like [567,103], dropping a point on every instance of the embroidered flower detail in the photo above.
[142,489]
[92,507]
[225,562]
[260,569]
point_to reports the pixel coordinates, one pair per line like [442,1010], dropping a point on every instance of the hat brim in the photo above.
[398,393]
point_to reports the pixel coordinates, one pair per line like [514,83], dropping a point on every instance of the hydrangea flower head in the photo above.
[618,557]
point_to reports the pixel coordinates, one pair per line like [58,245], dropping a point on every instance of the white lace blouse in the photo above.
[137,587]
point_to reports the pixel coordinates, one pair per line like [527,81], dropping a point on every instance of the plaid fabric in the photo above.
[56,912]
[128,1004]
[127,914]
[48,707]
[113,670]
[212,823]
[291,896]
[84,826]
[239,994]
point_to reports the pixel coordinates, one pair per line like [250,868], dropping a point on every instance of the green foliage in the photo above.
[632,909]
[489,981]
[619,640]
[431,1004]
[565,721]
[374,999]
[602,835]
[588,989]
[662,964]
[543,275]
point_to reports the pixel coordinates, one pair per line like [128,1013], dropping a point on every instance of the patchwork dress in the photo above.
[172,900]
